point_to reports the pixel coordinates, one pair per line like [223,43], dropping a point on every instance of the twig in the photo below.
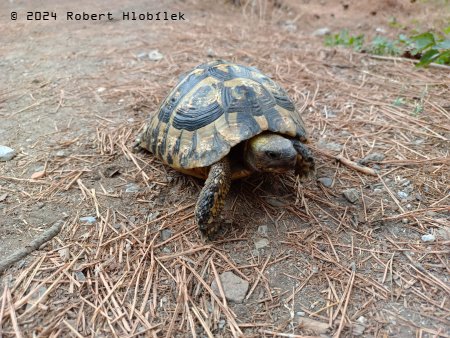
[34,245]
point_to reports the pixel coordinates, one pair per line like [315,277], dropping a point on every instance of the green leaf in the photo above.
[423,41]
[444,58]
[428,57]
[443,45]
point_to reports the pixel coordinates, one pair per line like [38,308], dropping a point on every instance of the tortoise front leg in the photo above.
[305,166]
[212,197]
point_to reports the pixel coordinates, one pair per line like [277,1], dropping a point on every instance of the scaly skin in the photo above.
[212,197]
[305,165]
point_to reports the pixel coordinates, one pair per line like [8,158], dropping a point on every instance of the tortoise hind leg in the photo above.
[305,165]
[212,197]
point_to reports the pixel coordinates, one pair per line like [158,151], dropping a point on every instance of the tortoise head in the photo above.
[270,153]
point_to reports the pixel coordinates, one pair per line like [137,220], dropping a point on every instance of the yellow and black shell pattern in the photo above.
[213,108]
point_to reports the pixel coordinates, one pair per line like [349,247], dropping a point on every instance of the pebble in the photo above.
[428,238]
[6,153]
[101,89]
[275,202]
[262,230]
[153,215]
[222,323]
[79,276]
[402,194]
[131,187]
[352,195]
[60,153]
[301,313]
[261,243]
[321,31]
[166,234]
[234,287]
[155,55]
[405,221]
[377,190]
[326,181]
[373,157]
[142,55]
[88,219]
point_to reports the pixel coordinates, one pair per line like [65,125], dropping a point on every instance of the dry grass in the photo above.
[344,265]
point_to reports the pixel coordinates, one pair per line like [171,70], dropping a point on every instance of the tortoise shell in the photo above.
[212,109]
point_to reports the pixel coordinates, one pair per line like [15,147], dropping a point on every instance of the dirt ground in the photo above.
[73,95]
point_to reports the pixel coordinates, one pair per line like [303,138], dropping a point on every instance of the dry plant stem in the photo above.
[34,245]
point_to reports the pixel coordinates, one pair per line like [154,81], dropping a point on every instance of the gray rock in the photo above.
[261,243]
[6,153]
[153,215]
[373,157]
[326,181]
[131,187]
[142,55]
[222,323]
[79,276]
[166,234]
[262,230]
[88,219]
[431,213]
[60,153]
[352,195]
[234,287]
[428,238]
[321,31]
[155,55]
[402,194]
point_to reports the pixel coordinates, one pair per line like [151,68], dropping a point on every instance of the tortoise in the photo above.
[225,121]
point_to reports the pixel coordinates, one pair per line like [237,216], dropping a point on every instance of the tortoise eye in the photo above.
[272,155]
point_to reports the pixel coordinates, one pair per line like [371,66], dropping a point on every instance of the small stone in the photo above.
[234,287]
[326,181]
[222,323]
[373,157]
[321,31]
[300,313]
[352,195]
[289,26]
[38,174]
[101,89]
[155,55]
[64,254]
[261,243]
[405,221]
[166,234]
[117,226]
[380,30]
[431,213]
[111,171]
[79,276]
[210,53]
[402,194]
[275,202]
[428,238]
[6,153]
[142,55]
[131,187]
[262,230]
[88,219]
[60,153]
[153,215]
[3,197]
[377,190]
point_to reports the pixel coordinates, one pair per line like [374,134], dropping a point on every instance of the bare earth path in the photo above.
[73,94]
